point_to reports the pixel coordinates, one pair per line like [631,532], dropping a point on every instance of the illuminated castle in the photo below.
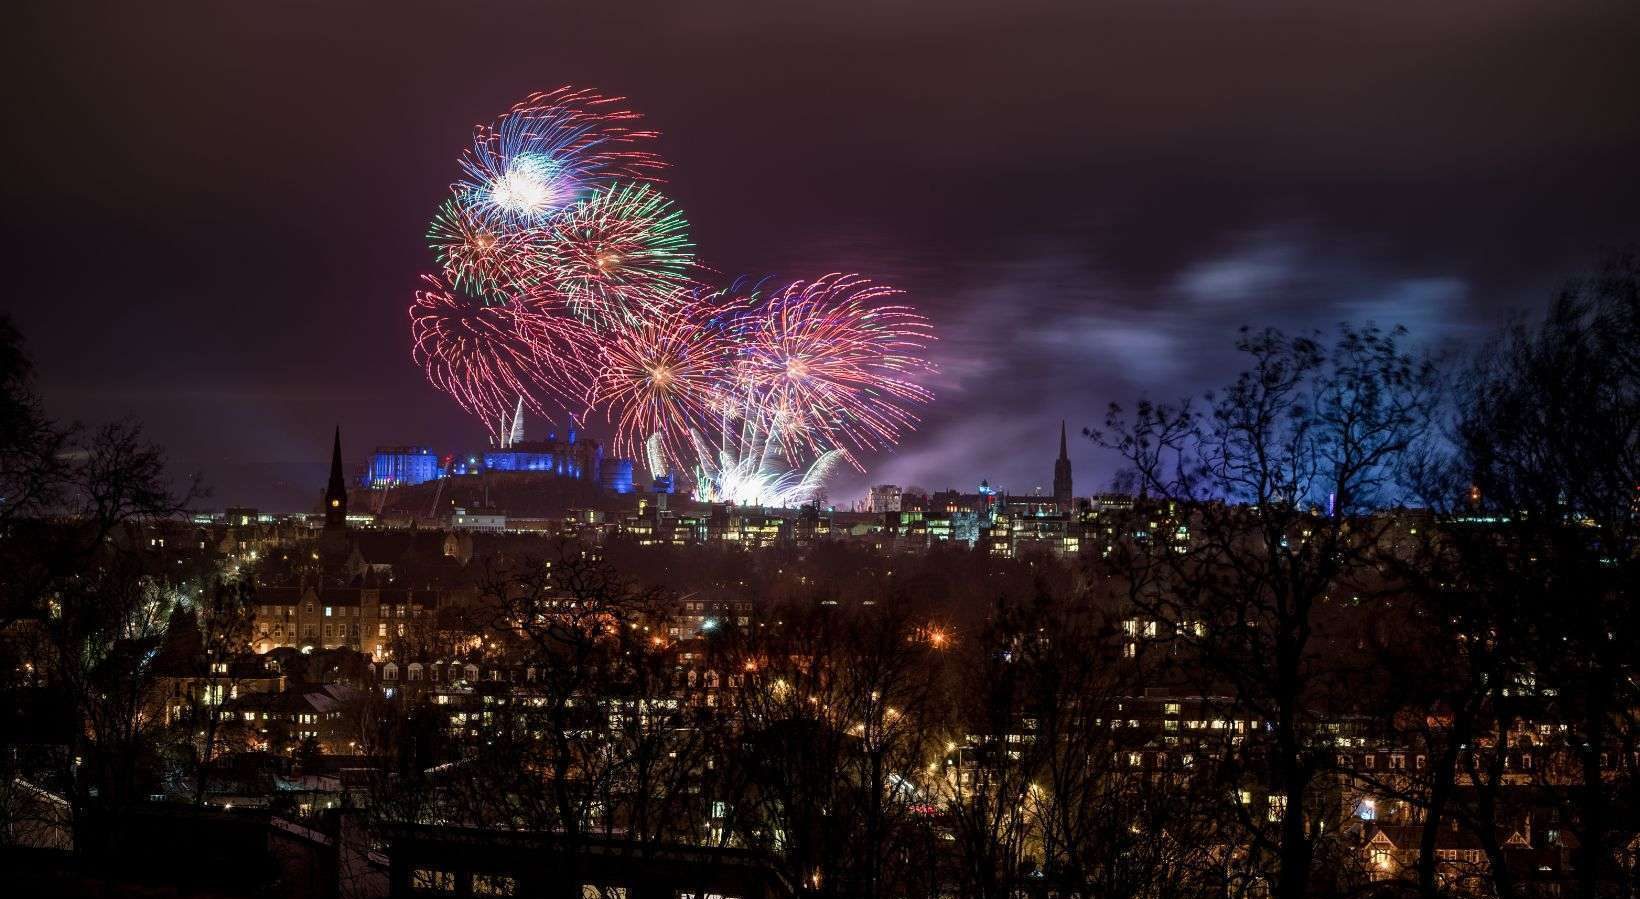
[572,457]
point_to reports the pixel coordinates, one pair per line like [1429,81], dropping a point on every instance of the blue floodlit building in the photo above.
[570,458]
[402,466]
[617,476]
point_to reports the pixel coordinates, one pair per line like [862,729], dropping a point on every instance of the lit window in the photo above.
[494,885]
[431,880]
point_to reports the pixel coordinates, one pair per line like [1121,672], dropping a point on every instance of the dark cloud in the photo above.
[215,211]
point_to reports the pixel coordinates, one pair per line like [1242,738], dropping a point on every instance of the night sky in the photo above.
[214,212]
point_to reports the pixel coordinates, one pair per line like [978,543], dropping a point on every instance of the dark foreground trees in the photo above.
[1547,435]
[1262,543]
[83,609]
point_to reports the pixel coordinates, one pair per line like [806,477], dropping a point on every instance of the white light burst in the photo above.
[748,468]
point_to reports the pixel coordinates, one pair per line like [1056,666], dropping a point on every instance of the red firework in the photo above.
[832,365]
[487,358]
[663,374]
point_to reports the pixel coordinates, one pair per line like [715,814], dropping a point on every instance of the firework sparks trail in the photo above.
[479,252]
[835,364]
[746,466]
[550,151]
[663,376]
[616,254]
[488,357]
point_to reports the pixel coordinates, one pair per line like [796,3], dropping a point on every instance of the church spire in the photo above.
[336,491]
[1062,474]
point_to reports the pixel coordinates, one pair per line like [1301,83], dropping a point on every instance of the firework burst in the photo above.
[833,364]
[487,358]
[745,465]
[662,376]
[569,280]
[479,252]
[616,254]
[550,151]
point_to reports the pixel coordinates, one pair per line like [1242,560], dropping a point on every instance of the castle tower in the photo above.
[1062,474]
[336,491]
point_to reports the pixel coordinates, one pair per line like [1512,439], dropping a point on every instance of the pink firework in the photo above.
[663,376]
[488,358]
[832,365]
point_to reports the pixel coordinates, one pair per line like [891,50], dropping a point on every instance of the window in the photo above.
[494,885]
[381,629]
[328,610]
[1398,761]
[432,880]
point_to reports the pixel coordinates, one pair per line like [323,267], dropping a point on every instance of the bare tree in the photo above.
[1548,438]
[1273,485]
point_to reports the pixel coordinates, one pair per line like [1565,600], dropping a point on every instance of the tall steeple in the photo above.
[1062,474]
[336,492]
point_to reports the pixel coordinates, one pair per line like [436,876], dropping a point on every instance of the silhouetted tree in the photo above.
[1264,497]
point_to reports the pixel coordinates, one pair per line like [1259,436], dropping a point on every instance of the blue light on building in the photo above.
[402,466]
[532,460]
[617,475]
